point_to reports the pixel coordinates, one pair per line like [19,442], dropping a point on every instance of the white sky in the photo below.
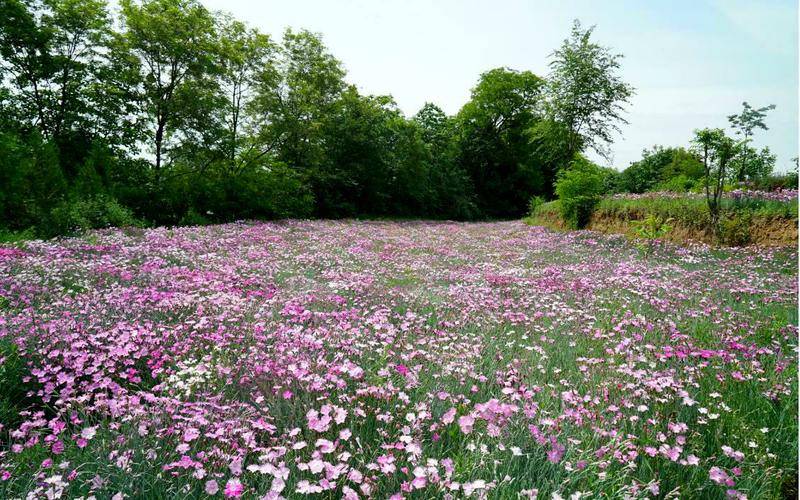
[692,62]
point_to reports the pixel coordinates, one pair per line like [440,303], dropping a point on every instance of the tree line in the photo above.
[164,112]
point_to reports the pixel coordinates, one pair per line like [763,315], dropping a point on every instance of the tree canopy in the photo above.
[174,114]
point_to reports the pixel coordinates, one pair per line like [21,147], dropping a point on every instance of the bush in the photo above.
[88,213]
[579,189]
[734,228]
[193,218]
[536,202]
[678,184]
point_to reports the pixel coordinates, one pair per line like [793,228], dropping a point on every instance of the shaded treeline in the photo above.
[167,113]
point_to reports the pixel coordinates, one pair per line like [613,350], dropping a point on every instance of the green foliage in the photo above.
[534,204]
[13,388]
[494,145]
[678,184]
[734,228]
[751,164]
[586,93]
[658,166]
[88,213]
[717,152]
[652,228]
[192,218]
[163,112]
[579,189]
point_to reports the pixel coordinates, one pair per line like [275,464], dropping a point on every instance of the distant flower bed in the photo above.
[782,195]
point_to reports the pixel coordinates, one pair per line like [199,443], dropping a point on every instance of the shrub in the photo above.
[193,218]
[678,184]
[734,228]
[651,229]
[579,189]
[87,213]
[536,202]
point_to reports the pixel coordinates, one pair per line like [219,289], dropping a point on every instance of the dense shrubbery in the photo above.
[96,212]
[579,189]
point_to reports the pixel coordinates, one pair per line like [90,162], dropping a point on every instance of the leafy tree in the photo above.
[752,163]
[293,98]
[658,165]
[175,42]
[55,54]
[585,92]
[245,53]
[494,145]
[356,172]
[716,151]
[453,195]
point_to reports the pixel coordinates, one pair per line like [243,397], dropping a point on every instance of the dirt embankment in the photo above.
[762,231]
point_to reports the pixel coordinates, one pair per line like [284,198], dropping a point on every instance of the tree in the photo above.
[175,42]
[54,53]
[453,194]
[586,94]
[293,98]
[716,151]
[751,164]
[494,145]
[245,53]
[579,189]
[660,165]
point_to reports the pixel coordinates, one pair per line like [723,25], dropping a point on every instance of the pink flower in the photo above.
[719,476]
[401,369]
[419,482]
[449,416]
[58,447]
[325,446]
[236,466]
[190,434]
[556,453]
[466,422]
[233,488]
[212,487]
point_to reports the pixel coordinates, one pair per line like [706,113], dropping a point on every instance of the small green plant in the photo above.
[536,202]
[651,229]
[734,228]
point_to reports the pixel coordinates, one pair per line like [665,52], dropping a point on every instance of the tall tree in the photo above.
[586,93]
[52,50]
[294,96]
[452,193]
[245,53]
[175,42]
[716,151]
[493,139]
[751,163]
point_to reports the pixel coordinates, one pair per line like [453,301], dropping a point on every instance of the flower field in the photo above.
[403,360]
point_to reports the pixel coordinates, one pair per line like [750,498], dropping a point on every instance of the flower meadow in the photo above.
[781,195]
[395,360]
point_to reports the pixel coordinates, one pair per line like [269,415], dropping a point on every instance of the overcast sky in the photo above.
[692,61]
